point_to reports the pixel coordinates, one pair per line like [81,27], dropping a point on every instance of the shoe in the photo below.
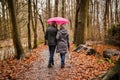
[52,63]
[49,66]
[62,66]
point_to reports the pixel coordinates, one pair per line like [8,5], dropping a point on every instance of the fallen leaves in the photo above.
[87,67]
[81,66]
[11,68]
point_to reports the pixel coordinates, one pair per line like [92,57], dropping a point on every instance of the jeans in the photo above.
[51,50]
[62,55]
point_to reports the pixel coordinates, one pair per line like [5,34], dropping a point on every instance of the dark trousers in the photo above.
[62,55]
[51,50]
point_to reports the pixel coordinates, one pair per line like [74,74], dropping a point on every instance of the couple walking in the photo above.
[59,40]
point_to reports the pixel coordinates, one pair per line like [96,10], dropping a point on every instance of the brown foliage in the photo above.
[85,67]
[11,68]
[82,66]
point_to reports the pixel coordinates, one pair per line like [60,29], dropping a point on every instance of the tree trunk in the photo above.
[106,16]
[4,21]
[111,13]
[90,20]
[8,23]
[82,22]
[49,9]
[70,13]
[63,5]
[76,19]
[35,27]
[113,71]
[0,27]
[56,8]
[15,35]
[93,23]
[29,32]
[116,12]
[98,25]
[40,19]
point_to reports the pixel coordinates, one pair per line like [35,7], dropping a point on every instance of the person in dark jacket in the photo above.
[62,44]
[50,36]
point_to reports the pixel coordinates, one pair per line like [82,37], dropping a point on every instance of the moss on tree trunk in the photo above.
[112,72]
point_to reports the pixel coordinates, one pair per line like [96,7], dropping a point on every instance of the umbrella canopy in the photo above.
[58,20]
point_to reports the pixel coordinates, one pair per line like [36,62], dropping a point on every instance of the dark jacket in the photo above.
[62,41]
[50,35]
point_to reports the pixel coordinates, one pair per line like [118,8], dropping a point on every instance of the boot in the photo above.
[62,66]
[49,65]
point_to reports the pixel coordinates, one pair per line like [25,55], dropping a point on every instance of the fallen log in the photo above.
[108,53]
[89,50]
[80,47]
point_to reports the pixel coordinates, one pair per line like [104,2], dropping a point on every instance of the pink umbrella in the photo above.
[58,20]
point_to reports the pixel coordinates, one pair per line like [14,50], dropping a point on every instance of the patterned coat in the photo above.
[62,40]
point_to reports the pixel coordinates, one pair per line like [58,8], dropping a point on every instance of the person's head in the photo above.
[54,24]
[62,26]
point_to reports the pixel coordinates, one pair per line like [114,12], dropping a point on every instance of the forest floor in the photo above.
[78,66]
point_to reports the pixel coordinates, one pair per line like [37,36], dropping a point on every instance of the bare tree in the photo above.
[106,16]
[4,20]
[15,35]
[116,12]
[76,19]
[63,7]
[98,25]
[35,27]
[29,32]
[82,22]
[56,8]
[49,9]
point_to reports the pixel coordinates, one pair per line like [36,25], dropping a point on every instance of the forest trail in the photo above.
[39,69]
[34,67]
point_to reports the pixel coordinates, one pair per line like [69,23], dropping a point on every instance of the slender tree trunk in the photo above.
[111,14]
[63,5]
[43,28]
[4,21]
[49,9]
[0,27]
[116,12]
[56,8]
[35,27]
[7,23]
[98,25]
[89,24]
[94,13]
[70,13]
[105,18]
[16,38]
[92,20]
[29,32]
[73,13]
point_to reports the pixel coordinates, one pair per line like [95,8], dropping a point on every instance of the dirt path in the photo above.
[39,70]
[34,67]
